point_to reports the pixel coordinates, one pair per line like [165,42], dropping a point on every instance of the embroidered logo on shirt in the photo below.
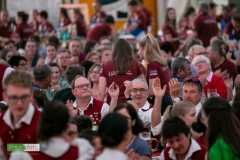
[153,73]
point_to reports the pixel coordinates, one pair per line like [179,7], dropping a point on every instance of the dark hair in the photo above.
[138,126]
[167,47]
[52,44]
[99,66]
[232,5]
[179,63]
[15,60]
[3,54]
[36,43]
[72,71]
[40,97]
[133,3]
[216,48]
[122,55]
[226,8]
[235,106]
[54,65]
[87,65]
[199,126]
[212,5]
[23,16]
[98,1]
[22,43]
[35,38]
[89,135]
[168,21]
[194,81]
[42,71]
[109,19]
[53,39]
[63,11]
[83,122]
[78,12]
[3,107]
[222,122]
[112,129]
[189,11]
[43,14]
[9,42]
[174,126]
[88,46]
[54,120]
[236,18]
[193,42]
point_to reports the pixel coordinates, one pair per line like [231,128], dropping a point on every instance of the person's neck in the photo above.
[83,102]
[95,86]
[54,83]
[51,60]
[131,140]
[218,62]
[140,105]
[121,147]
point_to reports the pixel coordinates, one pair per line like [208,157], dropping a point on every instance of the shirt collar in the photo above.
[27,118]
[89,104]
[193,148]
[113,152]
[146,106]
[209,78]
[198,107]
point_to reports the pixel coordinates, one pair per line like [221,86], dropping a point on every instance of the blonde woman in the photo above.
[149,50]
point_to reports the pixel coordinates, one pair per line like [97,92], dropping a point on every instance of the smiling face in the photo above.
[31,48]
[95,74]
[140,93]
[55,74]
[51,52]
[8,56]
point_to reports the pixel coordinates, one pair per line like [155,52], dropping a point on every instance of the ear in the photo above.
[133,122]
[180,71]
[4,96]
[73,92]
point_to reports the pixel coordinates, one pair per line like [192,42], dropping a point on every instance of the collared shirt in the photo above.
[193,148]
[145,116]
[57,146]
[104,110]
[209,77]
[110,154]
[198,107]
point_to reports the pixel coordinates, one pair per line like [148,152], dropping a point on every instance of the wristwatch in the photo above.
[129,98]
[175,100]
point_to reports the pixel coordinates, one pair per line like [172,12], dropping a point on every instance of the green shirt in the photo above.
[50,94]
[221,151]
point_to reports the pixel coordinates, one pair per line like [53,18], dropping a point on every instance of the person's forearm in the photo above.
[238,58]
[229,94]
[156,112]
[113,103]
[100,96]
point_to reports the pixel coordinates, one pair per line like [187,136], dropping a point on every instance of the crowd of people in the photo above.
[171,97]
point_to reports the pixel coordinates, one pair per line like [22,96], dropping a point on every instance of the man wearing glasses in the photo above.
[85,104]
[20,122]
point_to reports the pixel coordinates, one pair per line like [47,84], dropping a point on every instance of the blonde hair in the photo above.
[92,53]
[152,50]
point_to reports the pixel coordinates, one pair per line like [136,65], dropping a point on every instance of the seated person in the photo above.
[18,63]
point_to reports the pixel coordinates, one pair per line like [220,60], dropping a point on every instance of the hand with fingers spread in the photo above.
[174,86]
[157,89]
[129,87]
[203,79]
[228,82]
[113,90]
[72,111]
[223,74]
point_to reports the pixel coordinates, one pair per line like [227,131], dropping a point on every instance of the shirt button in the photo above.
[10,132]
[12,137]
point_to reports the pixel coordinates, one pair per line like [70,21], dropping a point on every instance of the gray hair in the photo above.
[141,80]
[216,48]
[42,71]
[179,63]
[204,7]
[201,57]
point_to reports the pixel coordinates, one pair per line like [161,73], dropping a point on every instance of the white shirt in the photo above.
[209,77]
[198,107]
[112,154]
[57,147]
[193,148]
[104,110]
[27,118]
[145,116]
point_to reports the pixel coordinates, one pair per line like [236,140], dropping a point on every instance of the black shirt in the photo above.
[64,95]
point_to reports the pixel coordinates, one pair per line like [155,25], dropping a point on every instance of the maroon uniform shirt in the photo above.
[173,32]
[140,18]
[206,27]
[98,17]
[6,31]
[232,32]
[99,30]
[110,73]
[47,27]
[22,31]
[65,22]
[34,26]
[148,15]
[81,27]
[154,70]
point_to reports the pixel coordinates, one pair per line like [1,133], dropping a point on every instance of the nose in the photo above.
[175,145]
[19,101]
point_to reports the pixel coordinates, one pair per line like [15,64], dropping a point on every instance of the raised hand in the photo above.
[72,111]
[113,90]
[129,87]
[157,89]
[174,86]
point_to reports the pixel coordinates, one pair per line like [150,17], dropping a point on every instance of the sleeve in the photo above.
[197,25]
[145,117]
[20,156]
[166,29]
[215,152]
[85,149]
[152,71]
[143,149]
[162,156]
[158,128]
[104,110]
[219,18]
[221,88]
[139,19]
[228,29]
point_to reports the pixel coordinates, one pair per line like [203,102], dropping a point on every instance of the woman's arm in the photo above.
[168,37]
[102,88]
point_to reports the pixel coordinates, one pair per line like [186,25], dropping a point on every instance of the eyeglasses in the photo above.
[95,72]
[14,99]
[200,62]
[23,64]
[72,134]
[83,85]
[141,90]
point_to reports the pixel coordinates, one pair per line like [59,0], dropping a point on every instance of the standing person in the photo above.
[233,28]
[20,122]
[99,15]
[34,17]
[122,67]
[5,25]
[213,10]
[64,21]
[225,17]
[78,20]
[157,66]
[23,30]
[45,27]
[53,131]
[170,29]
[222,140]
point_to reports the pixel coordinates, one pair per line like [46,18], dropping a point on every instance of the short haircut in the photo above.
[212,5]
[92,53]
[89,135]
[54,65]
[34,38]
[83,122]
[112,129]
[9,42]
[216,48]
[72,71]
[226,8]
[43,14]
[132,3]
[236,18]
[15,60]
[19,79]
[167,47]
[173,127]
[141,80]
[63,51]
[73,81]
[109,19]
[42,71]
[179,63]
[204,7]
[194,81]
